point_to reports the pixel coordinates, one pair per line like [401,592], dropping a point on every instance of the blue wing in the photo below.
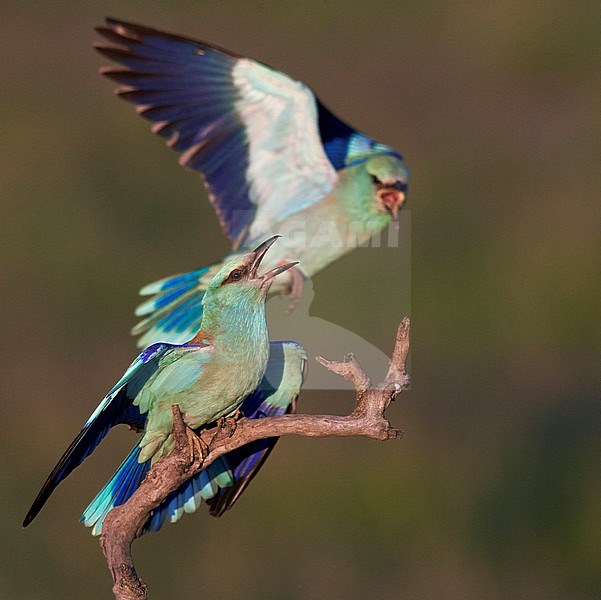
[250,130]
[116,408]
[345,146]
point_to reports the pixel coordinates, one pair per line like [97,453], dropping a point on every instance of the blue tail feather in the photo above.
[162,299]
[203,486]
[118,490]
[156,316]
[170,316]
[177,327]
[129,475]
[173,281]
[174,312]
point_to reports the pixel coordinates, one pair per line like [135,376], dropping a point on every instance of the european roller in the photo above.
[273,158]
[229,365]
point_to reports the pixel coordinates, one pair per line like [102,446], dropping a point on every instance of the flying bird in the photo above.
[230,364]
[273,159]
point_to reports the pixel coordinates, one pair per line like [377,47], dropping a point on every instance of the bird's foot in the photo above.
[186,439]
[229,424]
[294,287]
[237,415]
[197,446]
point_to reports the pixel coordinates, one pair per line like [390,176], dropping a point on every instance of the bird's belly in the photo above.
[218,392]
[218,396]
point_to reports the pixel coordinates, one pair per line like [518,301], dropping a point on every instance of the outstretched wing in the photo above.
[251,131]
[117,407]
[276,395]
[222,482]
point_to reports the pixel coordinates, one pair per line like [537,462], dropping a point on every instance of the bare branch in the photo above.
[349,369]
[193,453]
[396,371]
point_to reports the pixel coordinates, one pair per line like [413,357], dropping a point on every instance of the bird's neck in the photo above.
[237,331]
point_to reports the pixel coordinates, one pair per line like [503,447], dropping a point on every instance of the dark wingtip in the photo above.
[114,54]
[68,461]
[124,29]
[41,498]
[32,514]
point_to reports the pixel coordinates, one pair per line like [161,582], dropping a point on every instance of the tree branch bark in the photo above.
[193,453]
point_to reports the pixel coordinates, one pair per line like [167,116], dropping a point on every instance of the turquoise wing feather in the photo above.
[117,407]
[222,483]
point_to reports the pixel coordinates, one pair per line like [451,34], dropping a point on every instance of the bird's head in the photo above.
[389,177]
[238,278]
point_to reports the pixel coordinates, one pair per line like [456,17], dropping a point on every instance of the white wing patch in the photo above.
[288,168]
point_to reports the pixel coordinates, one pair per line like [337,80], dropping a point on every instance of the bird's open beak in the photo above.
[279,269]
[259,252]
[392,199]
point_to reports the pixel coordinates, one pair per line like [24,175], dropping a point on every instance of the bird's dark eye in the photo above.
[375,180]
[235,275]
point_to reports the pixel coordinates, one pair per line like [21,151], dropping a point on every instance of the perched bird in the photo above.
[273,158]
[229,364]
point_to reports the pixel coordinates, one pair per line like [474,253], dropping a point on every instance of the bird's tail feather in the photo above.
[117,491]
[186,499]
[174,311]
[203,486]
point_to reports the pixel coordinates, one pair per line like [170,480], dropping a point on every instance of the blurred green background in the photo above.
[494,491]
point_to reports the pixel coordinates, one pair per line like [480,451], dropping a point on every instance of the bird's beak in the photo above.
[258,254]
[279,269]
[392,200]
